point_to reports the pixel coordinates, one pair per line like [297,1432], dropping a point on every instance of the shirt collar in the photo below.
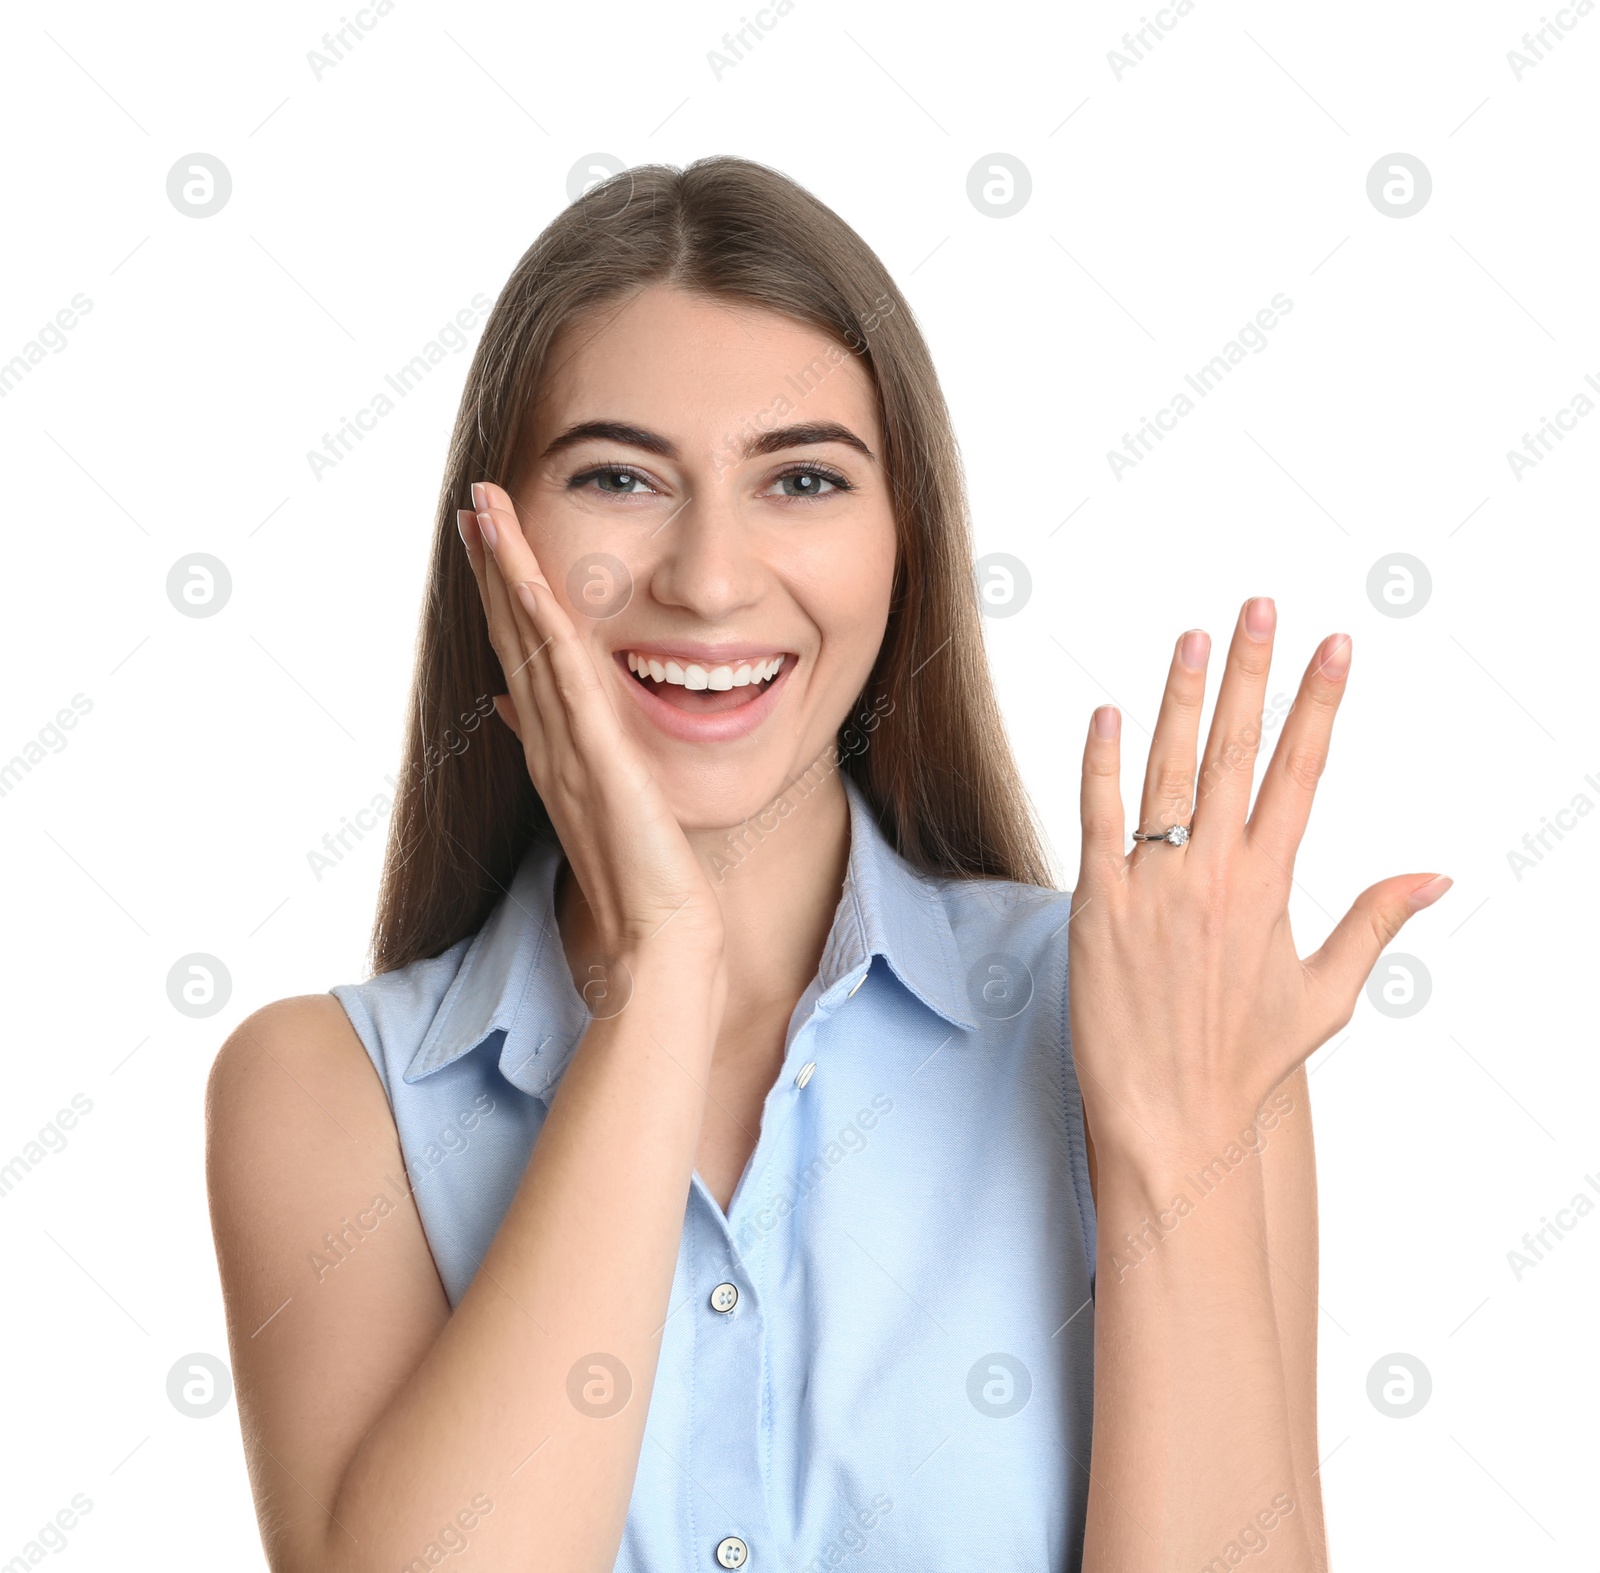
[514,980]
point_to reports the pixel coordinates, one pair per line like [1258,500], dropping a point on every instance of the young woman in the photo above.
[704,1179]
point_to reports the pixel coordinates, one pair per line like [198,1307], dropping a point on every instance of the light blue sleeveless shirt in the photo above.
[881,1358]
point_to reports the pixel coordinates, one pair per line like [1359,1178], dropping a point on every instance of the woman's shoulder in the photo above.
[296,1063]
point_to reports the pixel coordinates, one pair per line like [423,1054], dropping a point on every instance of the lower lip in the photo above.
[724,726]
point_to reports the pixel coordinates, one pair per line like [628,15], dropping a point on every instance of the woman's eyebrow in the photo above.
[763,442]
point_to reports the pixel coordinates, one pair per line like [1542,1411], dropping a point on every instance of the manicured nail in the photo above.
[490,534]
[1193,649]
[1260,618]
[463,519]
[480,496]
[1107,721]
[525,595]
[1426,895]
[1335,656]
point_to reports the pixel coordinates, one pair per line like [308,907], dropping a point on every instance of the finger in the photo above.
[1340,968]
[557,648]
[505,707]
[513,640]
[1100,803]
[1222,795]
[520,646]
[1169,777]
[1289,783]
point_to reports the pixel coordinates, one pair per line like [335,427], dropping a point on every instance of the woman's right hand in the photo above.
[641,878]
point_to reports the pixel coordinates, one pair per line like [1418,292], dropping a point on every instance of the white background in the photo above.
[1167,208]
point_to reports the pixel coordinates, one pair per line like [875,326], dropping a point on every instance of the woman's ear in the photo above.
[506,708]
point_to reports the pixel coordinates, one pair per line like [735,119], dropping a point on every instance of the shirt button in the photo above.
[723,1298]
[856,986]
[732,1553]
[805,1073]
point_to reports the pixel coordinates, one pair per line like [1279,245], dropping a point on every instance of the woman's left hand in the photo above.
[1188,1000]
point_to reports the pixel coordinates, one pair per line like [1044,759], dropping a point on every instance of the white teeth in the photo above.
[695,676]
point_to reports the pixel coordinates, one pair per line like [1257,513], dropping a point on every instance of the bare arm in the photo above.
[1289,1184]
[1191,1011]
[376,1422]
[381,1428]
[1289,1243]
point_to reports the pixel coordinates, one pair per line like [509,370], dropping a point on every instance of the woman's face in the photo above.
[704,490]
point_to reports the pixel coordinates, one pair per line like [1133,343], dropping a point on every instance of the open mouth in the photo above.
[697,688]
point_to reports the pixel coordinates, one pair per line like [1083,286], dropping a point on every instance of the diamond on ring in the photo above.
[1175,837]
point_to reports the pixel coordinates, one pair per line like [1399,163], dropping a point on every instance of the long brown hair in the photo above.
[938,770]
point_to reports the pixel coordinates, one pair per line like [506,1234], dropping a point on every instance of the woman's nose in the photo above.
[707,558]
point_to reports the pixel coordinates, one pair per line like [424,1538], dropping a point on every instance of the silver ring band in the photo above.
[1175,837]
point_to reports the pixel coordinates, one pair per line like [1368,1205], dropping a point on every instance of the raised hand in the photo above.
[632,860]
[1189,1002]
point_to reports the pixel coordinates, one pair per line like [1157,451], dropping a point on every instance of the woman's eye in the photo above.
[809,483]
[617,483]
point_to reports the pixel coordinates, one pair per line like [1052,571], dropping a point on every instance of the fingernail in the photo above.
[1107,721]
[1336,656]
[1426,895]
[525,595]
[1193,649]
[480,497]
[1260,618]
[486,524]
[463,515]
